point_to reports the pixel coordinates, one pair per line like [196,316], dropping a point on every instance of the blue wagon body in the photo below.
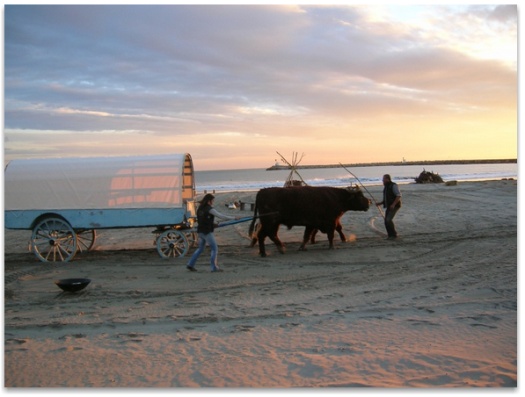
[78,194]
[101,218]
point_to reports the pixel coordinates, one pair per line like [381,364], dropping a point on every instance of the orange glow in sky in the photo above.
[231,85]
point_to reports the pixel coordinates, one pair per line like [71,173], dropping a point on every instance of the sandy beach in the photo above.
[436,308]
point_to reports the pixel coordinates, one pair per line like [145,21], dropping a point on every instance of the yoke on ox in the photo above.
[313,207]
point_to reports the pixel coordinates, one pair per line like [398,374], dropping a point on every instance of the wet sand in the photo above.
[436,308]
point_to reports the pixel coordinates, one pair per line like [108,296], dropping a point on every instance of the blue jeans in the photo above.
[389,221]
[203,240]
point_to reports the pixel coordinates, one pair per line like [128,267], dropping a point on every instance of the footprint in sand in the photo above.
[482,320]
[15,341]
[243,328]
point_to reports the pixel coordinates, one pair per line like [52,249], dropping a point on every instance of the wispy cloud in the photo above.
[296,75]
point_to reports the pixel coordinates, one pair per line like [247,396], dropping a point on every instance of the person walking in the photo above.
[206,224]
[392,203]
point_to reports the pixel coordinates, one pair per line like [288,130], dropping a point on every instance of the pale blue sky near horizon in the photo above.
[233,84]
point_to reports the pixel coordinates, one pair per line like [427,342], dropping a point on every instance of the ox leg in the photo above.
[330,234]
[272,236]
[309,233]
[312,235]
[278,243]
[275,238]
[262,249]
[339,229]
[255,235]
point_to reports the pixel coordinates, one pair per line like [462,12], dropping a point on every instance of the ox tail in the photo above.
[252,225]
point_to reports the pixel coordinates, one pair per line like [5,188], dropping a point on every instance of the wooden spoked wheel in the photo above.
[86,239]
[53,240]
[172,243]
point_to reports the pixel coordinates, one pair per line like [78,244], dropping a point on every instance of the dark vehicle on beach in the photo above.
[313,207]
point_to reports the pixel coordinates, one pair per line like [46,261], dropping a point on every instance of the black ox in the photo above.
[313,207]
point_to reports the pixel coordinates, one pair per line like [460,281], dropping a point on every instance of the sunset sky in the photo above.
[232,85]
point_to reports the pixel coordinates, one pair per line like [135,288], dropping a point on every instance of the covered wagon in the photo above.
[65,200]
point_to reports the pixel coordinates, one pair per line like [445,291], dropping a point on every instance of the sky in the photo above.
[234,84]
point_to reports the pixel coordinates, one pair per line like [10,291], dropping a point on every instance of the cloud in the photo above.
[202,72]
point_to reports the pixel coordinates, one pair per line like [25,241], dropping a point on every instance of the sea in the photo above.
[255,179]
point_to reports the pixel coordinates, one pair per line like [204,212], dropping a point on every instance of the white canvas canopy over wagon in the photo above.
[65,200]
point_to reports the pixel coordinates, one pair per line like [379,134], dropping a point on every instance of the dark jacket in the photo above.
[206,221]
[389,195]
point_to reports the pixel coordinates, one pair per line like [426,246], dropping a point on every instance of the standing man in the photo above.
[392,203]
[206,224]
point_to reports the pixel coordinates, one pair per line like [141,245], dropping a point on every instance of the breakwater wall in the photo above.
[390,163]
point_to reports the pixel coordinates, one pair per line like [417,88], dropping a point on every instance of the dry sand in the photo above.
[436,308]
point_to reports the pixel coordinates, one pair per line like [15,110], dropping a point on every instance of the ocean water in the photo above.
[255,179]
